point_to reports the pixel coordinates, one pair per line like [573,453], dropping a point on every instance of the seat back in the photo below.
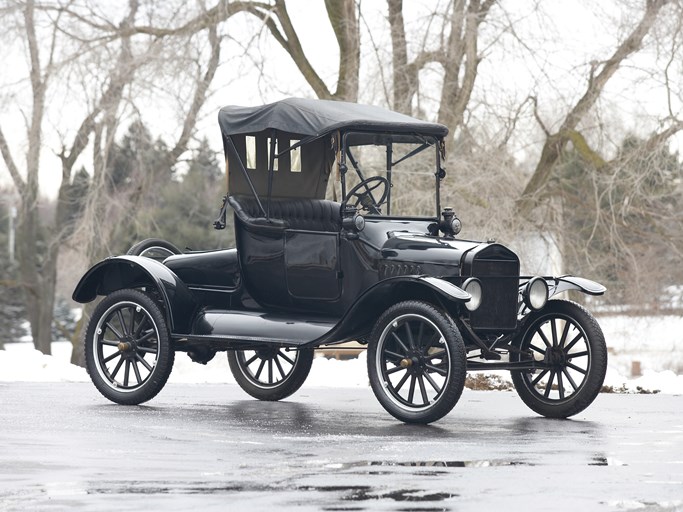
[300,214]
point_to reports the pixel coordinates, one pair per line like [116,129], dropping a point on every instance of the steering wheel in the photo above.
[366,199]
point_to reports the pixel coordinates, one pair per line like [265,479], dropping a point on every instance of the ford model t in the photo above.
[381,264]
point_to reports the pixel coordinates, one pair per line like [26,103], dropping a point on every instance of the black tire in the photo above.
[568,338]
[154,248]
[270,373]
[413,341]
[128,331]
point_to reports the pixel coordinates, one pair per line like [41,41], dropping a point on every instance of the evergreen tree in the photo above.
[178,207]
[625,223]
[12,309]
[76,195]
[188,206]
[137,157]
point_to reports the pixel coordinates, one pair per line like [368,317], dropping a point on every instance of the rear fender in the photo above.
[359,319]
[122,272]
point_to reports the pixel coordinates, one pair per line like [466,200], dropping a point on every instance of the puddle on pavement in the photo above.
[401,509]
[367,493]
[601,460]
[430,464]
[345,493]
[364,492]
[164,488]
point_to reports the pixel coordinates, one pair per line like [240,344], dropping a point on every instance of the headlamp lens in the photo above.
[473,287]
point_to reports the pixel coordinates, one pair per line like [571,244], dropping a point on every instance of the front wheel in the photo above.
[270,373]
[416,362]
[567,343]
[128,352]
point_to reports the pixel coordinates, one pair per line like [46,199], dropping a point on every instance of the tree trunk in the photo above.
[77,342]
[461,60]
[33,274]
[404,78]
[344,21]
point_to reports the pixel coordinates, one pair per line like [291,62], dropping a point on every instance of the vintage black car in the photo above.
[310,272]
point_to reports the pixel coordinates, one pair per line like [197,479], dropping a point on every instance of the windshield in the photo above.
[407,163]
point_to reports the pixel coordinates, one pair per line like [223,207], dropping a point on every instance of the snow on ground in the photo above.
[654,343]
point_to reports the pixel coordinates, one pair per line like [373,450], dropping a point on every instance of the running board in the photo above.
[517,365]
[256,327]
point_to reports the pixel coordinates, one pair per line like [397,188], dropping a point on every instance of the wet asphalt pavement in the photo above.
[210,447]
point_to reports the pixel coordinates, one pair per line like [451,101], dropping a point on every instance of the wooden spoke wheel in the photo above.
[416,362]
[128,351]
[569,347]
[270,373]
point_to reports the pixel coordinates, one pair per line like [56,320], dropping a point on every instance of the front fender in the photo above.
[121,272]
[562,284]
[362,315]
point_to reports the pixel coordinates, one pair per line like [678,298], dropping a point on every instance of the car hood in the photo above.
[411,247]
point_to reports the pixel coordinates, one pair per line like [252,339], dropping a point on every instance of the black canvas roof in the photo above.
[319,117]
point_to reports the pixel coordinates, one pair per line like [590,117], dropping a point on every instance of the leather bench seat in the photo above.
[305,214]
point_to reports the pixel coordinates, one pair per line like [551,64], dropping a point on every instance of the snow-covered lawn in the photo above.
[655,343]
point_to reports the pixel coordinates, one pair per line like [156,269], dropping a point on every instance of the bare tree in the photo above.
[600,74]
[97,128]
[38,274]
[457,55]
[105,211]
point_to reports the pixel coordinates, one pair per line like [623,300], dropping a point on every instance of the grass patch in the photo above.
[626,391]
[483,382]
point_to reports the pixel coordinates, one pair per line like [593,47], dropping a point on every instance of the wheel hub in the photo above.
[555,357]
[413,362]
[127,347]
[267,353]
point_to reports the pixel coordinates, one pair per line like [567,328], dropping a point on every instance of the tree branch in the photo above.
[289,40]
[659,138]
[199,95]
[555,144]
[11,165]
[220,12]
[121,74]
[462,50]
[629,46]
[537,116]
[293,46]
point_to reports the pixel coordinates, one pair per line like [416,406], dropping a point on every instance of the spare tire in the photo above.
[154,248]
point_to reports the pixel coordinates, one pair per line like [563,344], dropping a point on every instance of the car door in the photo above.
[312,265]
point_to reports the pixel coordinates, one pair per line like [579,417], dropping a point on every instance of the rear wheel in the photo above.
[128,352]
[270,373]
[416,362]
[568,343]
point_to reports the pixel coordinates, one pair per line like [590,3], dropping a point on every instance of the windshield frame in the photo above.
[345,154]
